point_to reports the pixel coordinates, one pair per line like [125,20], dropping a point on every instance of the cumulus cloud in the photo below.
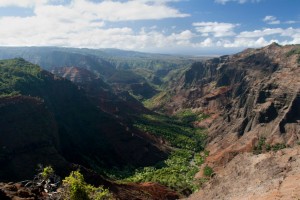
[104,10]
[37,31]
[248,42]
[91,24]
[82,23]
[271,20]
[215,28]
[257,38]
[260,33]
[129,10]
[238,1]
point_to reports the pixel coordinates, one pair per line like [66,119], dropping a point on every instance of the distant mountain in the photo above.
[52,57]
[49,120]
[148,70]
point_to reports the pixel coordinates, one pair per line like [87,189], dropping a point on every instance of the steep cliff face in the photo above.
[250,95]
[252,99]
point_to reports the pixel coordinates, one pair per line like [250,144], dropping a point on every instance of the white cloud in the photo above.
[291,22]
[206,43]
[238,1]
[26,3]
[40,31]
[124,11]
[104,10]
[84,23]
[257,38]
[248,42]
[288,32]
[271,20]
[215,29]
[260,33]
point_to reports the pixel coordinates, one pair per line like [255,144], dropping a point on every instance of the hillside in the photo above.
[102,94]
[63,124]
[252,99]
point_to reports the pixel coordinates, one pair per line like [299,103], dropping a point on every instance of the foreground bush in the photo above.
[75,188]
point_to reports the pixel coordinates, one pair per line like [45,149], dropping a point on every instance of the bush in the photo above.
[208,171]
[262,146]
[75,188]
[278,146]
[47,172]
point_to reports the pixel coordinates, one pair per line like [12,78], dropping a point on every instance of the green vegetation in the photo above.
[47,172]
[208,171]
[75,188]
[199,159]
[161,97]
[188,116]
[15,75]
[179,134]
[262,146]
[178,172]
[293,52]
[18,76]
[278,146]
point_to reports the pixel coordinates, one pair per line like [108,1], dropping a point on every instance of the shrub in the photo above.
[208,171]
[47,172]
[262,146]
[75,188]
[278,146]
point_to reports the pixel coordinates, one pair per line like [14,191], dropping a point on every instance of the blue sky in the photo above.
[194,27]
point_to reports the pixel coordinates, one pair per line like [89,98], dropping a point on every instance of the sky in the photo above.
[191,27]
